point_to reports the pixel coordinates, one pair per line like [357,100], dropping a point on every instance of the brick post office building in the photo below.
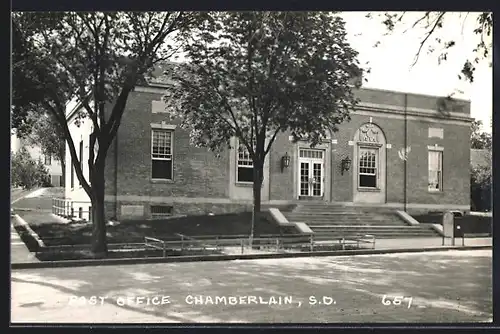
[400,150]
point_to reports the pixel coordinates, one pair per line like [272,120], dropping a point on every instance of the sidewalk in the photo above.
[19,252]
[429,242]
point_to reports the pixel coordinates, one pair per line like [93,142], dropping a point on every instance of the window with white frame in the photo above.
[244,165]
[368,165]
[48,159]
[435,171]
[161,154]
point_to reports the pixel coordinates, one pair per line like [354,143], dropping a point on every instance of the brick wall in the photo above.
[199,174]
[455,162]
[196,172]
[281,182]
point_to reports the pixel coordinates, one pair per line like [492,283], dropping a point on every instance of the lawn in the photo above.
[55,233]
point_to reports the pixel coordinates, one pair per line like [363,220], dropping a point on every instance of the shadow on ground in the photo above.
[54,231]
[453,286]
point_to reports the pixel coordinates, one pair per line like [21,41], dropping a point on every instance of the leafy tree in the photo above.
[46,133]
[432,23]
[481,187]
[28,173]
[252,75]
[480,140]
[97,59]
[481,190]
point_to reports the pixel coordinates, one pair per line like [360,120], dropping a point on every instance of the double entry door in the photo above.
[311,173]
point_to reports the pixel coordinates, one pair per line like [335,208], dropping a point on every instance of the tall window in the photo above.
[81,158]
[161,154]
[245,165]
[368,168]
[435,171]
[48,160]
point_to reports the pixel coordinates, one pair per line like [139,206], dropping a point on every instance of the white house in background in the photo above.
[52,164]
[74,194]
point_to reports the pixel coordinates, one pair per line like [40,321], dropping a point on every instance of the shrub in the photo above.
[481,190]
[28,173]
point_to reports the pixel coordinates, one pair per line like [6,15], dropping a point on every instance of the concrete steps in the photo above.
[329,221]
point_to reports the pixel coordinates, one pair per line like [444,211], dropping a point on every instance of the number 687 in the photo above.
[396,300]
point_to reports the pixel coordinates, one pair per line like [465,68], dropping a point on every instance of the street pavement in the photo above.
[431,287]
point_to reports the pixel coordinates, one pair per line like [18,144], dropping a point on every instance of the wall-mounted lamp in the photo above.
[345,165]
[285,161]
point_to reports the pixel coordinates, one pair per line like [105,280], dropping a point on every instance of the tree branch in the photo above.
[271,141]
[429,33]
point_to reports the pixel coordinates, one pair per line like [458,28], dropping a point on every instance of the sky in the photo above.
[391,60]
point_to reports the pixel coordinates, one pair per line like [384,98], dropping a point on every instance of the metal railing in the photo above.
[242,242]
[72,209]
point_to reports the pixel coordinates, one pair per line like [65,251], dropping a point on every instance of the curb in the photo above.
[32,233]
[110,262]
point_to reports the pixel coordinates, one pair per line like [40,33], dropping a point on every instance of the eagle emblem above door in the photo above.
[369,133]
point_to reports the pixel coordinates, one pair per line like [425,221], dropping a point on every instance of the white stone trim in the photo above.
[163,126]
[150,89]
[407,218]
[398,109]
[466,121]
[435,133]
[435,148]
[215,200]
[158,107]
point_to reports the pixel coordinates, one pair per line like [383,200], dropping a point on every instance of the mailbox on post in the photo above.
[448,226]
[458,231]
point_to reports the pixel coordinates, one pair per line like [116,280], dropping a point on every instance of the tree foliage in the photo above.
[481,172]
[43,131]
[432,23]
[481,187]
[252,75]
[27,172]
[479,139]
[95,59]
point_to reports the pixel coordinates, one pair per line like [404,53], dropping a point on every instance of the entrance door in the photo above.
[311,173]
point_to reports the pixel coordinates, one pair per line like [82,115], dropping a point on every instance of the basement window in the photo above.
[158,211]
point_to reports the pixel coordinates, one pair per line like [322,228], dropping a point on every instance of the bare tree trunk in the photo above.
[62,158]
[257,185]
[63,173]
[99,240]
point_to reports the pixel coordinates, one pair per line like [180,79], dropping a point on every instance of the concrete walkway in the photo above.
[429,242]
[19,253]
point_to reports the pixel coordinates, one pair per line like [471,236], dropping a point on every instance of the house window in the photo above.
[368,164]
[161,154]
[245,165]
[435,171]
[48,160]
